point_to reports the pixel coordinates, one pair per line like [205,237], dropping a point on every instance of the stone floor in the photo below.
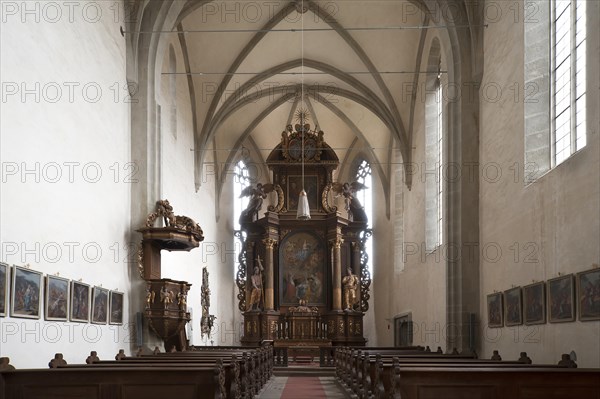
[291,387]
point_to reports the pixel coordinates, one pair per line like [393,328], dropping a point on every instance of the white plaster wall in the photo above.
[420,287]
[78,146]
[216,252]
[554,221]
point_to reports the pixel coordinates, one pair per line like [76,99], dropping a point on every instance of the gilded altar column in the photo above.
[356,266]
[269,244]
[337,272]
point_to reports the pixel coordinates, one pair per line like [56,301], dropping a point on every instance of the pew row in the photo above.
[86,382]
[231,373]
[376,376]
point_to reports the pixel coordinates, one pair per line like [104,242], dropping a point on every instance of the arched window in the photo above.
[568,60]
[398,216]
[434,182]
[173,91]
[241,180]
[555,83]
[363,175]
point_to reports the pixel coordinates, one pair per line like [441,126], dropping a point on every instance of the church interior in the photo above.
[313,176]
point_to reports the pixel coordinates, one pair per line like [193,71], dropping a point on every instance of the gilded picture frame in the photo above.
[26,293]
[534,303]
[588,295]
[495,310]
[513,307]
[302,269]
[80,302]
[57,298]
[99,305]
[116,308]
[561,299]
[4,288]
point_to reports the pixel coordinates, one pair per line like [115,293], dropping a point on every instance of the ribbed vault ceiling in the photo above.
[257,73]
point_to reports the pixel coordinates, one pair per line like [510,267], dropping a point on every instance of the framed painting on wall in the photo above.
[513,307]
[4,276]
[495,310]
[302,260]
[588,295]
[561,299]
[534,303]
[116,308]
[57,298]
[99,305]
[26,293]
[80,302]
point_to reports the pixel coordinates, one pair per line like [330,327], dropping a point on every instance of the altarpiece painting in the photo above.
[302,269]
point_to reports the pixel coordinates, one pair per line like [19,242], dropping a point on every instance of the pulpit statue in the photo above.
[257,286]
[351,286]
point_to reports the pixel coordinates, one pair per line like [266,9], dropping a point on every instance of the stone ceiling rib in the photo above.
[249,130]
[292,110]
[235,65]
[190,80]
[365,102]
[396,124]
[375,162]
[313,114]
[331,21]
[414,93]
[349,79]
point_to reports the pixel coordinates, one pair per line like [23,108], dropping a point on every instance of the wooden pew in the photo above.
[377,376]
[234,388]
[255,365]
[231,376]
[350,367]
[491,382]
[260,368]
[87,382]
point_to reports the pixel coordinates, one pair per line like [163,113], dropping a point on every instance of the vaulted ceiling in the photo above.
[251,65]
[356,65]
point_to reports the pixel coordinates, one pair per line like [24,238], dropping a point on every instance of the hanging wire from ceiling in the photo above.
[303,30]
[307,73]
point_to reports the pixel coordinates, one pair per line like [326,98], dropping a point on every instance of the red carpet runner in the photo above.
[303,388]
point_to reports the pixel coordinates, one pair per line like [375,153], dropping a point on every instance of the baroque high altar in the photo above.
[303,282]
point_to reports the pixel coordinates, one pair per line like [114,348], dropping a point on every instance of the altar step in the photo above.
[297,371]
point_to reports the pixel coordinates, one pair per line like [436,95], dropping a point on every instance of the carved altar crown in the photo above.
[316,150]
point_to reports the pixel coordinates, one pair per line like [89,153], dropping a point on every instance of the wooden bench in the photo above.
[370,375]
[491,382]
[114,383]
[230,373]
[259,368]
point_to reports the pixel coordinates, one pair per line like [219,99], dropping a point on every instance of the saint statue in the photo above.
[351,286]
[257,286]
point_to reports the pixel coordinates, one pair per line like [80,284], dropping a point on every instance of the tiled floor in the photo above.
[302,388]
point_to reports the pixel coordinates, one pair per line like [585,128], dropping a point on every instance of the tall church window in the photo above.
[568,82]
[364,176]
[241,180]
[434,182]
[555,83]
[173,91]
[398,177]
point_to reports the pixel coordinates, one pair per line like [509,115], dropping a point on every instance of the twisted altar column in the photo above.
[337,272]
[356,269]
[269,301]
